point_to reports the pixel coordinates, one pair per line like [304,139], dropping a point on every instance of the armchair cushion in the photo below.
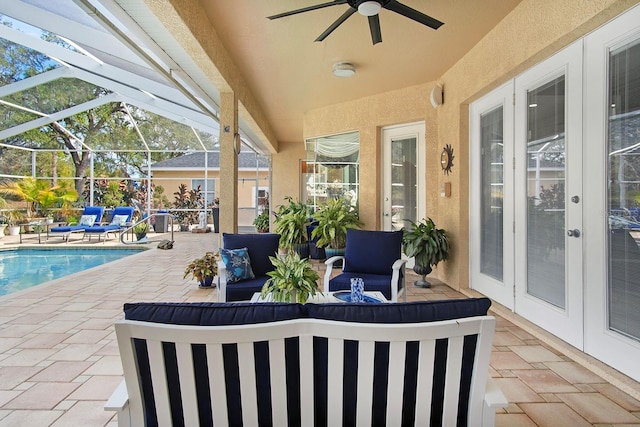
[237,263]
[261,246]
[373,252]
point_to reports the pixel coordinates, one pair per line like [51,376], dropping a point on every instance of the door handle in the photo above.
[573,233]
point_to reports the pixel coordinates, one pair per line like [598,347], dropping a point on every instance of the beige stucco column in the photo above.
[228,192]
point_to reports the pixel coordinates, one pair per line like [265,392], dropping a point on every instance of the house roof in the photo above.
[246,160]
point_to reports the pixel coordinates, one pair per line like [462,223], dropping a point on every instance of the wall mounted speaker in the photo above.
[437,96]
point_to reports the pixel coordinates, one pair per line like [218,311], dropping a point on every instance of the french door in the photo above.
[403,169]
[567,221]
[526,195]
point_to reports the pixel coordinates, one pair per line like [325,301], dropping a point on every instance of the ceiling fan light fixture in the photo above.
[369,8]
[343,69]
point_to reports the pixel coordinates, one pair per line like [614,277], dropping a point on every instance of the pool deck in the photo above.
[59,359]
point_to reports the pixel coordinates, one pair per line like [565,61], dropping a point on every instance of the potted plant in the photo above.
[261,222]
[14,219]
[203,269]
[141,230]
[334,218]
[293,280]
[3,225]
[428,245]
[291,223]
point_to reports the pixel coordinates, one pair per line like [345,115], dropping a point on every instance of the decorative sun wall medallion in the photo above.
[446,159]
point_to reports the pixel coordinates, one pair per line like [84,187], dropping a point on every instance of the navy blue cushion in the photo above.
[372,282]
[244,290]
[214,313]
[261,246]
[211,313]
[372,251]
[237,264]
[409,312]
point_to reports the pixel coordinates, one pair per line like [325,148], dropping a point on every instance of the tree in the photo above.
[99,132]
[39,195]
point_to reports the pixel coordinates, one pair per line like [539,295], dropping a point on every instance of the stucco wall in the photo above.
[286,172]
[533,31]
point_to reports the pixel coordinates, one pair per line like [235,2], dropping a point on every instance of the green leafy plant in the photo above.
[200,268]
[292,227]
[261,222]
[427,243]
[14,217]
[293,280]
[39,195]
[141,228]
[334,218]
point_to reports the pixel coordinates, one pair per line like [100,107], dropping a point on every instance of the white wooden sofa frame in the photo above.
[484,397]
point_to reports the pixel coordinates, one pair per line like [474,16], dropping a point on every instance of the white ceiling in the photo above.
[289,73]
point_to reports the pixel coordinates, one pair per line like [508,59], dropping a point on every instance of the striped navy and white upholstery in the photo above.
[307,371]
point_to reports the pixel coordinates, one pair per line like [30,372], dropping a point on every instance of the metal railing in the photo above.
[146,219]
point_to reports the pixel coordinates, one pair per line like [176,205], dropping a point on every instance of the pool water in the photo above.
[24,268]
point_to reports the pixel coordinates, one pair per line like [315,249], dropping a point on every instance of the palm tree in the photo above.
[38,194]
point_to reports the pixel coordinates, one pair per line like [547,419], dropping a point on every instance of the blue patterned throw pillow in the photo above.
[238,264]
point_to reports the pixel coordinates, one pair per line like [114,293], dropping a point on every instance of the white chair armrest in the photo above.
[222,282]
[119,398]
[493,399]
[395,279]
[493,396]
[329,267]
[119,402]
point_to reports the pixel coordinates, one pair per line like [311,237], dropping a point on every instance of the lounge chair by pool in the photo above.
[120,220]
[90,215]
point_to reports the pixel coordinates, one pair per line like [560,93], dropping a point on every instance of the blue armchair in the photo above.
[376,257]
[260,247]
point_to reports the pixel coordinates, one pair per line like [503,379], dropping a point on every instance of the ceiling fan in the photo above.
[369,9]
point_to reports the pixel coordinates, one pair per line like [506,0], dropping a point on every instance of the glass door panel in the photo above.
[545,192]
[492,194]
[404,192]
[624,190]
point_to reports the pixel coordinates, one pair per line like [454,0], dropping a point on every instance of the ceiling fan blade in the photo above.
[307,9]
[336,24]
[374,26]
[411,13]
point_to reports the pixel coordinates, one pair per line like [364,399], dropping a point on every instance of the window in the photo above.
[208,192]
[331,169]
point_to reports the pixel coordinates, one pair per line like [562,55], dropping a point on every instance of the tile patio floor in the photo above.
[59,359]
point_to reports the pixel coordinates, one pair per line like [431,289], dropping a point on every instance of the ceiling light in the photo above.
[343,69]
[369,8]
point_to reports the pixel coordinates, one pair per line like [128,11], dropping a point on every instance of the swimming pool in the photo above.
[24,268]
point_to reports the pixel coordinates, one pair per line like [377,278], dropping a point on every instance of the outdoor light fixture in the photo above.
[343,69]
[369,8]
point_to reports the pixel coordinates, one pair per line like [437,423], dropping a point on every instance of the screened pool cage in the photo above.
[107,125]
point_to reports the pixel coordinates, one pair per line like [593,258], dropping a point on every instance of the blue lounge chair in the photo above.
[86,221]
[120,220]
